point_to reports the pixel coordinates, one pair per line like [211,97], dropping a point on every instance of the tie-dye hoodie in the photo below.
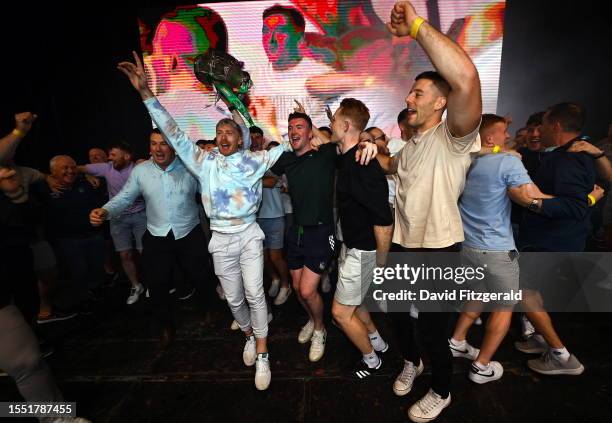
[231,185]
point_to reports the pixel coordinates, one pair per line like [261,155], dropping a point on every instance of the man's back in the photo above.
[485,206]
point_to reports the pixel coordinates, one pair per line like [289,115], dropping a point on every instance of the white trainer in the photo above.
[135,294]
[273,291]
[306,332]
[463,351]
[404,381]
[494,372]
[428,408]
[250,353]
[263,375]
[317,345]
[282,296]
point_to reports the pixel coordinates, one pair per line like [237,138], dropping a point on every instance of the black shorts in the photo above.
[310,246]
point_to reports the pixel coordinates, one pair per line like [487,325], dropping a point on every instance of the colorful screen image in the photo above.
[316,52]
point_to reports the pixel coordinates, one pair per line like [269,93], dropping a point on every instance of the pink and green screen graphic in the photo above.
[316,52]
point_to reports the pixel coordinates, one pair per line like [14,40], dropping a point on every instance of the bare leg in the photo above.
[352,326]
[129,266]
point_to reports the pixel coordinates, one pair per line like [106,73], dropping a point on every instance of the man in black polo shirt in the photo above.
[311,239]
[367,226]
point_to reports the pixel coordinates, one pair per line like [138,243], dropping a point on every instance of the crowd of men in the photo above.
[455,182]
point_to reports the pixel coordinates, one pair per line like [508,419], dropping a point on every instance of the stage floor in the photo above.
[111,366]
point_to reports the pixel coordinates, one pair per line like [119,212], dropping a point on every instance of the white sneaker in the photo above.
[317,345]
[263,375]
[414,312]
[135,294]
[273,291]
[494,372]
[220,292]
[404,381]
[325,282]
[478,321]
[535,344]
[234,325]
[527,328]
[282,296]
[464,351]
[306,332]
[428,408]
[250,353]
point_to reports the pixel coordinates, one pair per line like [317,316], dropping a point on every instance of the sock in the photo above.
[263,356]
[480,366]
[561,353]
[371,359]
[378,343]
[456,343]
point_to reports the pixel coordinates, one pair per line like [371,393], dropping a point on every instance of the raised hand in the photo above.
[299,108]
[402,16]
[24,121]
[97,216]
[136,74]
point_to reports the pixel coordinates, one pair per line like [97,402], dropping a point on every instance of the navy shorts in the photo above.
[310,246]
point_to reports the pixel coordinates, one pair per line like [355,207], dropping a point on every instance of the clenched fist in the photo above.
[98,216]
[24,121]
[402,16]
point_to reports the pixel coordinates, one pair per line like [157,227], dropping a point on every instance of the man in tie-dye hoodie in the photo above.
[231,180]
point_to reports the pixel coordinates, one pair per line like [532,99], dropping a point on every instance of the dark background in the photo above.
[59,61]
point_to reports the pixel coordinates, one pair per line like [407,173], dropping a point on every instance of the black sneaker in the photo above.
[55,316]
[361,371]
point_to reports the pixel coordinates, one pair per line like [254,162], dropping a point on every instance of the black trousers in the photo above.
[161,256]
[432,329]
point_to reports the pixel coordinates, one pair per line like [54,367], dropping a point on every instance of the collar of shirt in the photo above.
[168,168]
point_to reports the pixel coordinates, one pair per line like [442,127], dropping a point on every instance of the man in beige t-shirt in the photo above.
[431,172]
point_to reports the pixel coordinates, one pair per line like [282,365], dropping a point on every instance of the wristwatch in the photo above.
[533,206]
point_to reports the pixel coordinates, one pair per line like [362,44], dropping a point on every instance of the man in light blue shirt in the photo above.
[492,181]
[174,235]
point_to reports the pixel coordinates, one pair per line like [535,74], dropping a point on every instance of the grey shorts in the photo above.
[127,230]
[44,257]
[274,230]
[355,273]
[502,271]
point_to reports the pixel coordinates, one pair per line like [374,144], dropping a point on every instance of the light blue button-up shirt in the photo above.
[170,198]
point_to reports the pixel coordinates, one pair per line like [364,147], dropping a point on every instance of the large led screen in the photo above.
[316,52]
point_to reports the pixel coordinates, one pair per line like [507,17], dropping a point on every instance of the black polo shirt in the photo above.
[311,184]
[363,201]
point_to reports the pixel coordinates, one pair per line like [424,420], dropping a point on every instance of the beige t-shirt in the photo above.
[431,176]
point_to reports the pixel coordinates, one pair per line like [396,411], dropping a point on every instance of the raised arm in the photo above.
[10,142]
[602,164]
[464,102]
[188,151]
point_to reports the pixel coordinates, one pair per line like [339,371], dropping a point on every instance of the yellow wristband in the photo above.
[18,133]
[416,25]
[496,149]
[592,200]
